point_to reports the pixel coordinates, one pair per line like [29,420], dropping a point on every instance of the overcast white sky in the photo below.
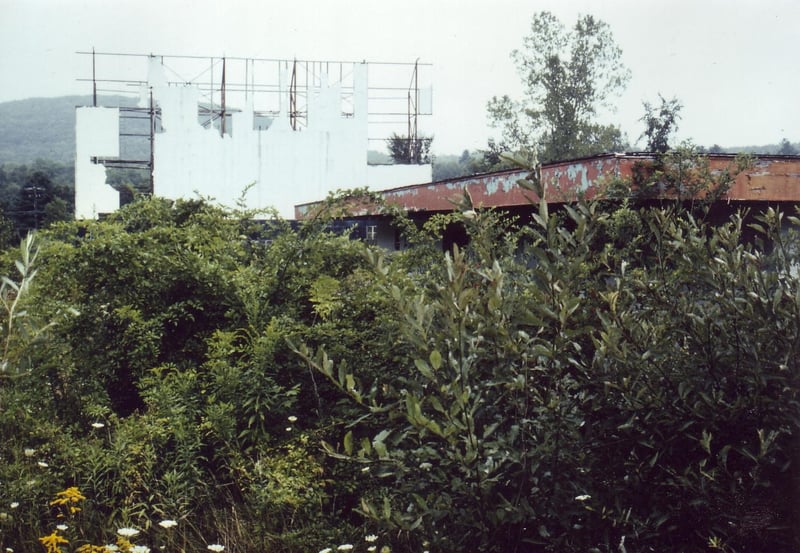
[735,64]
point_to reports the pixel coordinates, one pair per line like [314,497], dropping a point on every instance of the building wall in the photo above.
[276,167]
[96,135]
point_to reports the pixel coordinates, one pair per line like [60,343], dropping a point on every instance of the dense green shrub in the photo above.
[166,386]
[589,398]
[606,378]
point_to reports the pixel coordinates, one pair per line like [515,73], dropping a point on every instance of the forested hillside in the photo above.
[39,128]
[44,128]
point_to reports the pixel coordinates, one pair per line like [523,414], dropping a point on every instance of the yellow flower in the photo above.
[124,544]
[53,542]
[69,498]
[89,548]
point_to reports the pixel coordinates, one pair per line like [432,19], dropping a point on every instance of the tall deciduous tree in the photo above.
[408,151]
[660,123]
[568,75]
[787,148]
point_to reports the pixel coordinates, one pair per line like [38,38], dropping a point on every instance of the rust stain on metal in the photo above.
[772,178]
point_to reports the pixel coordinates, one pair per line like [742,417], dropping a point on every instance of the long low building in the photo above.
[767,180]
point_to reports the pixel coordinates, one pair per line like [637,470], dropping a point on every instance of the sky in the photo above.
[733,64]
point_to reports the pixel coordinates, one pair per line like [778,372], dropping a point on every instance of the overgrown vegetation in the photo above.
[602,378]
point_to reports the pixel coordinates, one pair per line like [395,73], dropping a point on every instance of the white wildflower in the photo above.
[29,452]
[140,549]
[112,547]
[97,425]
[288,428]
[42,464]
[9,550]
[292,418]
[62,527]
[167,523]
[128,532]
[370,538]
[326,550]
[14,504]
[582,497]
[215,547]
[372,548]
[345,547]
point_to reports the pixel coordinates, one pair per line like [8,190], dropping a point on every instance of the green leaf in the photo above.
[423,368]
[380,449]
[705,441]
[436,359]
[348,442]
[7,281]
[350,382]
[379,445]
[387,509]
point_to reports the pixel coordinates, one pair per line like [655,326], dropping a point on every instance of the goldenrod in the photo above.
[69,498]
[53,542]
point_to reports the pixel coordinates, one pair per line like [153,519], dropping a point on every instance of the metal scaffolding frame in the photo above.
[226,82]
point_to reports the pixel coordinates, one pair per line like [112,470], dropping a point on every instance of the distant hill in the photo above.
[44,128]
[766,149]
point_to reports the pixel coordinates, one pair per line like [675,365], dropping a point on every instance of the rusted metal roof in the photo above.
[769,179]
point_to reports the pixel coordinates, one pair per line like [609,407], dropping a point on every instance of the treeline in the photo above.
[33,197]
[608,377]
[472,162]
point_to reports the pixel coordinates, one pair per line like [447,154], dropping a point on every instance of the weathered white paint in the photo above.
[96,135]
[279,167]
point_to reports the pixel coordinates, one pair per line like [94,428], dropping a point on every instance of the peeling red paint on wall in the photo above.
[772,178]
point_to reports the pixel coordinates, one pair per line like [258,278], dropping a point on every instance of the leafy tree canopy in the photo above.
[660,123]
[786,148]
[407,151]
[568,75]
